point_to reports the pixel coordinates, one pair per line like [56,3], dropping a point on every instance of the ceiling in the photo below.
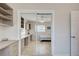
[46,17]
[41,5]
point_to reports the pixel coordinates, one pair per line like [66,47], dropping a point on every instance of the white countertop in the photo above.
[4,44]
[27,35]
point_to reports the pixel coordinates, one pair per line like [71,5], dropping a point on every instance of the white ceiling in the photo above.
[41,5]
[34,17]
[29,16]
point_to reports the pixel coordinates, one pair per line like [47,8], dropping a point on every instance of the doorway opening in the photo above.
[36,34]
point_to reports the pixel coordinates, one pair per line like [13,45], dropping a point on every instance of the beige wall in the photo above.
[62,23]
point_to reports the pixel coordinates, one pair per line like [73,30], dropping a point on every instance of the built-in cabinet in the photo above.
[6,15]
[26,36]
[25,41]
[28,26]
[22,22]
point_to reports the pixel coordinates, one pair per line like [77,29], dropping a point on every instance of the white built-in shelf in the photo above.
[1,24]
[6,14]
[3,11]
[5,17]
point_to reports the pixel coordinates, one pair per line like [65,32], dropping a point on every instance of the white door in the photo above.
[75,33]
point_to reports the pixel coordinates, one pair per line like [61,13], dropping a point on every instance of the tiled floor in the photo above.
[37,48]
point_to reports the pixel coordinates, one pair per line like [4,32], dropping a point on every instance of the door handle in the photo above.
[73,37]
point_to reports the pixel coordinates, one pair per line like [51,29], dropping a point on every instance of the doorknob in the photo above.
[73,37]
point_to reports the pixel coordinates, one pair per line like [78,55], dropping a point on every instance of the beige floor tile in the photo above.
[37,48]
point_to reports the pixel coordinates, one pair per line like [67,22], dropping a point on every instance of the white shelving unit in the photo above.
[6,15]
[3,11]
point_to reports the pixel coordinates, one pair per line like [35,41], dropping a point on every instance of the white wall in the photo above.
[1,33]
[62,25]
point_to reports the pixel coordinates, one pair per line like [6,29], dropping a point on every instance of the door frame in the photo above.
[71,35]
[52,27]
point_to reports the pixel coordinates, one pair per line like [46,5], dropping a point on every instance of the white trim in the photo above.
[53,34]
[19,43]
[53,24]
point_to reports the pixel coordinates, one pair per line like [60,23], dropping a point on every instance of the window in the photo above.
[40,28]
